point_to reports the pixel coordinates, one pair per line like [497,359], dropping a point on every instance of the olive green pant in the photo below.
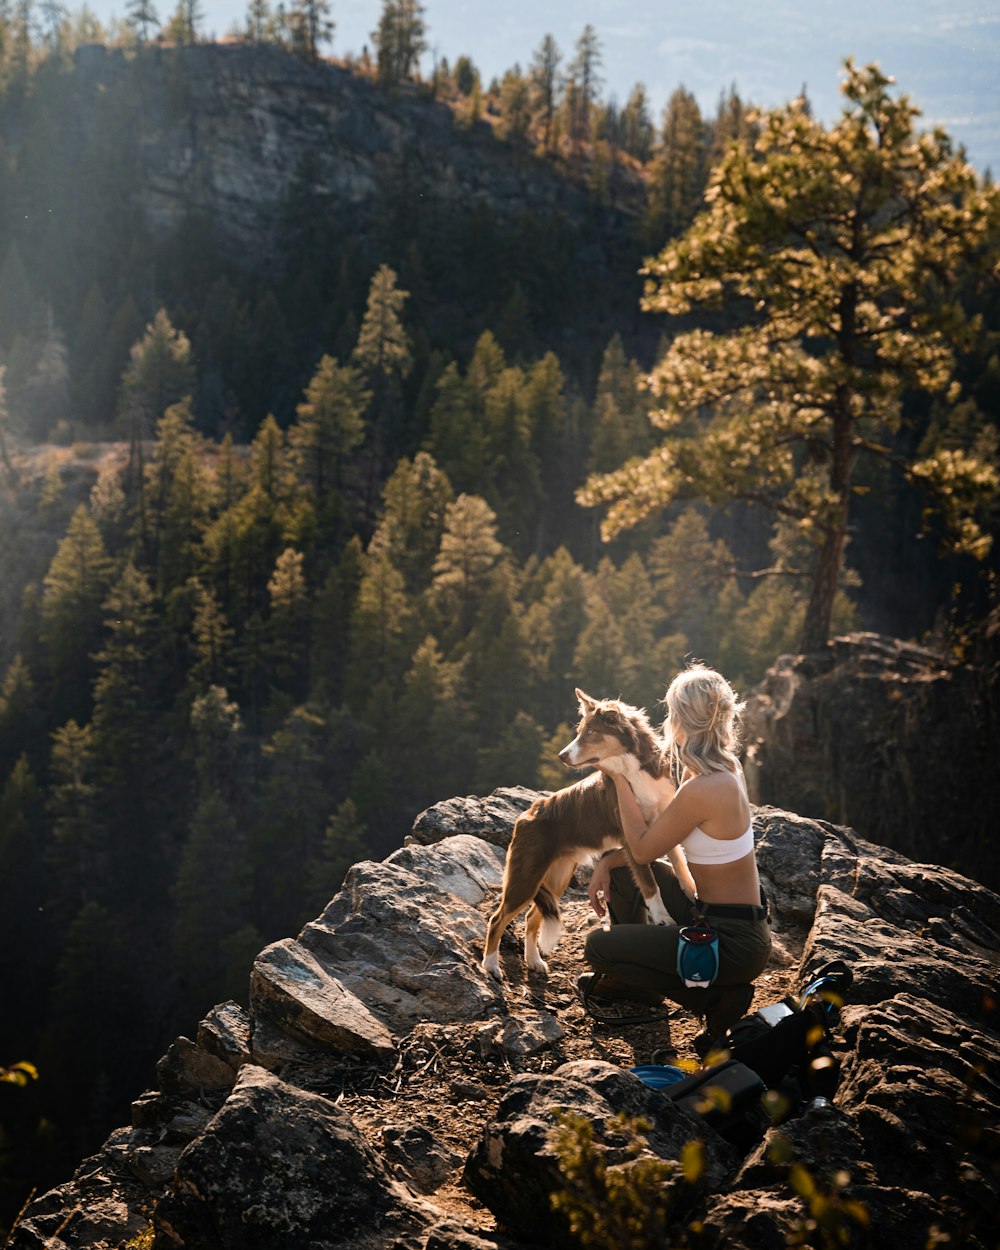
[637,955]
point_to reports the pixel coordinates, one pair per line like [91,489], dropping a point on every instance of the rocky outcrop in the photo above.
[224,132]
[381,1091]
[889,738]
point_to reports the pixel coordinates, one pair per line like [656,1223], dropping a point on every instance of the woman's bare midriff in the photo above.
[737,882]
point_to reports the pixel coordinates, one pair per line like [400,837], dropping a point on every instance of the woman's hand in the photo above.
[600,882]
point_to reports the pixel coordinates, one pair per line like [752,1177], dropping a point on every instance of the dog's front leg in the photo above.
[678,861]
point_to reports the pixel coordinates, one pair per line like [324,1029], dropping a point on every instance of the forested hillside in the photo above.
[291,541]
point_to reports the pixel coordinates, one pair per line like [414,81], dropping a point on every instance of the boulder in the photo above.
[291,989]
[405,936]
[281,1169]
[515,1168]
[491,819]
[886,737]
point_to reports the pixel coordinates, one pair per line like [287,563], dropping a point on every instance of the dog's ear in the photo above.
[587,704]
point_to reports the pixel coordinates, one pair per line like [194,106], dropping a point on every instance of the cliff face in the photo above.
[223,131]
[381,1091]
[889,738]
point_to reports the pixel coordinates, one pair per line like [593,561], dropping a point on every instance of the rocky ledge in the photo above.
[380,1091]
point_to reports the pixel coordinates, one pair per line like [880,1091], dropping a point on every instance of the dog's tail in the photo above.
[552,925]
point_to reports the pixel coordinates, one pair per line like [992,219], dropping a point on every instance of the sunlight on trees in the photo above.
[847,245]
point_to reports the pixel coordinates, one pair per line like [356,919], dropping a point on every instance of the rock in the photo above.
[789,856]
[920,1084]
[225,1033]
[887,737]
[463,866]
[524,1036]
[491,819]
[404,941]
[102,1207]
[186,1066]
[289,987]
[515,1170]
[887,960]
[261,112]
[418,1156]
[280,1169]
[383,994]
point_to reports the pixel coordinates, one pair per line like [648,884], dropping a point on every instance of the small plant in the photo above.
[19,1074]
[832,1217]
[629,1206]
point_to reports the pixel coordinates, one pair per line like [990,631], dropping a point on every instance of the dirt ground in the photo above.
[429,1109]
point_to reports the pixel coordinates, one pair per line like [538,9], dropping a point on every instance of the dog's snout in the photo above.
[564,755]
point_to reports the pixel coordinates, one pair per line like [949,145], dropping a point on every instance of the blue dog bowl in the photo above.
[658,1076]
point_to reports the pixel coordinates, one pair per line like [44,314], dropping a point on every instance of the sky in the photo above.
[944,54]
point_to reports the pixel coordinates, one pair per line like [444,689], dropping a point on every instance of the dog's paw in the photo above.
[658,914]
[538,964]
[491,966]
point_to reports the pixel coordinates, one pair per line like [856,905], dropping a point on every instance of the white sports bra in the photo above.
[702,849]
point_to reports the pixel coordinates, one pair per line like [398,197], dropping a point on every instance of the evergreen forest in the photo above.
[296,545]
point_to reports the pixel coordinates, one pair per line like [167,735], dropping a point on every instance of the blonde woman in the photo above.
[709,816]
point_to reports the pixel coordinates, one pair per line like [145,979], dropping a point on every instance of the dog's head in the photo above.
[607,728]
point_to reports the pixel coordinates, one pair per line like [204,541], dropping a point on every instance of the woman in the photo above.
[709,816]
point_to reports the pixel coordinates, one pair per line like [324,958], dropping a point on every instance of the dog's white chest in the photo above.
[651,794]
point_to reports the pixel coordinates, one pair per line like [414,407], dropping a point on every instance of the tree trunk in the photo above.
[819,612]
[816,627]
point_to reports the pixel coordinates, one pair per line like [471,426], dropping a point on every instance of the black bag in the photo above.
[726,1096]
[788,1043]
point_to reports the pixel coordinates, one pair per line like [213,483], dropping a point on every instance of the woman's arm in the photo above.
[600,878]
[666,830]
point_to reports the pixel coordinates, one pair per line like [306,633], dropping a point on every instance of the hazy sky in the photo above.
[943,53]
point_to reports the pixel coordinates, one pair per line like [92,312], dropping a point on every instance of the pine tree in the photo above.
[678,169]
[329,427]
[620,418]
[847,243]
[294,810]
[177,497]
[141,18]
[311,25]
[400,40]
[383,357]
[344,844]
[469,551]
[288,630]
[381,629]
[690,572]
[583,83]
[73,591]
[457,438]
[26,948]
[544,78]
[333,611]
[211,638]
[415,499]
[79,854]
[160,372]
[516,489]
[515,107]
[637,130]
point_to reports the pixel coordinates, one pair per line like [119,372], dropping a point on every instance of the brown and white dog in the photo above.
[574,825]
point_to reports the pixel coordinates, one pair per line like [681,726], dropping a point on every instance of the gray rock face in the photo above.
[888,738]
[248,1140]
[222,131]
